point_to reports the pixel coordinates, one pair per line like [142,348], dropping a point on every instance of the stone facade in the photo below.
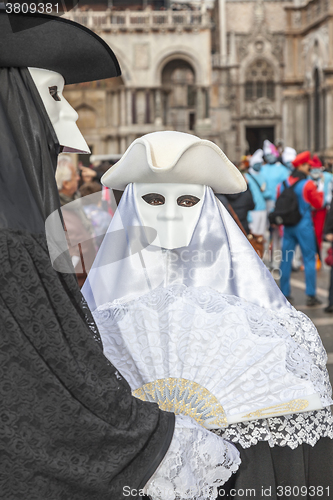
[308,94]
[235,74]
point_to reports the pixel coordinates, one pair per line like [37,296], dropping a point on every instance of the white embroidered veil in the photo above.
[203,330]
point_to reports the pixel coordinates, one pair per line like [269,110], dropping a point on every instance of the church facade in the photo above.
[235,72]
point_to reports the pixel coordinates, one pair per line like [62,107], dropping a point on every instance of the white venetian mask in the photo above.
[172,210]
[63,117]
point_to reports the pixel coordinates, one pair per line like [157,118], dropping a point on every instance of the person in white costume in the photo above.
[193,319]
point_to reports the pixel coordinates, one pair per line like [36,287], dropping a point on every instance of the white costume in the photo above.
[192,318]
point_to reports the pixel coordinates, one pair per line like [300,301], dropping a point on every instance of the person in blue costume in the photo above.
[273,173]
[257,185]
[303,232]
[287,157]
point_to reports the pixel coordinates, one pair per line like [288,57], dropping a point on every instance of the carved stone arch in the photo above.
[175,69]
[181,97]
[178,54]
[88,118]
[317,75]
[316,58]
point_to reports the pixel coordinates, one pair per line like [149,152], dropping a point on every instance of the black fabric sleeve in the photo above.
[69,426]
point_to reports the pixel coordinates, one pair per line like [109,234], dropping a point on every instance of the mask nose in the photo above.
[170,212]
[68,112]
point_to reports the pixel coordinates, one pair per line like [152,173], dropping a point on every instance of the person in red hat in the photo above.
[302,233]
[323,180]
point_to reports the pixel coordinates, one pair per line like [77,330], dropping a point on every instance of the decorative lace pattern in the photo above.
[70,428]
[305,355]
[287,430]
[90,321]
[196,464]
[242,353]
[304,332]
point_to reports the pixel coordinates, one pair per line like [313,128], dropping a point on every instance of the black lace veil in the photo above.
[70,428]
[28,154]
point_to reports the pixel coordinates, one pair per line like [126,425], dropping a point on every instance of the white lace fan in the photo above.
[214,357]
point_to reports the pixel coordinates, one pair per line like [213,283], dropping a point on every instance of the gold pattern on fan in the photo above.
[185,397]
[291,407]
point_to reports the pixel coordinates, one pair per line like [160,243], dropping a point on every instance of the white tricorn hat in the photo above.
[175,157]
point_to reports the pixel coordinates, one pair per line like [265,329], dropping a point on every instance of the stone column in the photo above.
[200,104]
[123,145]
[122,107]
[330,38]
[158,107]
[223,32]
[129,107]
[329,124]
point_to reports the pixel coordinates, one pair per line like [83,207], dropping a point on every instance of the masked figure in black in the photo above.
[70,428]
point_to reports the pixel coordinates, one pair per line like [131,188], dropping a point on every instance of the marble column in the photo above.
[158,107]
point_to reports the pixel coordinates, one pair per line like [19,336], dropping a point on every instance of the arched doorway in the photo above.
[179,95]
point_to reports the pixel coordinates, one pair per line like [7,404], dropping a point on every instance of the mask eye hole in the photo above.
[54,93]
[154,199]
[187,200]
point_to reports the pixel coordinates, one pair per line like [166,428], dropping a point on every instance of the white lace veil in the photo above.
[218,256]
[208,314]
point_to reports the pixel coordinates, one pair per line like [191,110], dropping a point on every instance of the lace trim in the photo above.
[196,464]
[305,358]
[90,321]
[129,328]
[288,430]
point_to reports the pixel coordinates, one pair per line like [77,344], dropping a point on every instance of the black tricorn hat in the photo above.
[57,44]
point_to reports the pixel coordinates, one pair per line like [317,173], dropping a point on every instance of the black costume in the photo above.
[70,428]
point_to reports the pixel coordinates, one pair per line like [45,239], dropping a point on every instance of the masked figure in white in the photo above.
[190,443]
[194,321]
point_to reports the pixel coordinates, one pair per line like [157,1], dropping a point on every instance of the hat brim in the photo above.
[200,163]
[315,164]
[57,44]
[301,159]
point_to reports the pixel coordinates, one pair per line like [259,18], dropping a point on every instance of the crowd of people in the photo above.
[268,172]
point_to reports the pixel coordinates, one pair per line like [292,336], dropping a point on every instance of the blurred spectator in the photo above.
[329,237]
[302,233]
[88,174]
[244,163]
[323,181]
[273,173]
[257,218]
[100,219]
[92,173]
[241,203]
[256,161]
[288,155]
[78,227]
